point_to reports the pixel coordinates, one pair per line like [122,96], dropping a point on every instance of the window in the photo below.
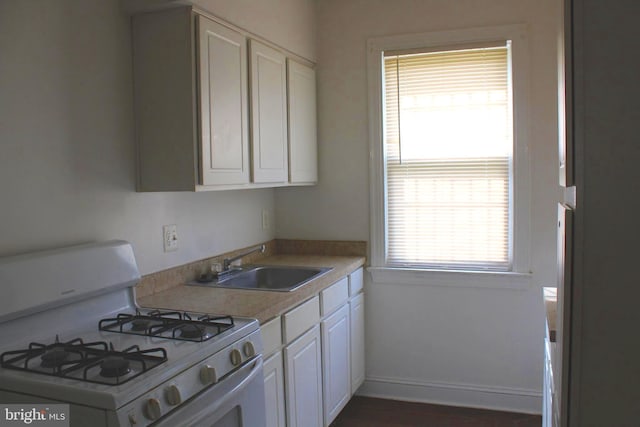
[448,148]
[449,172]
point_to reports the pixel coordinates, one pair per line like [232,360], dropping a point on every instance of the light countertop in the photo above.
[262,305]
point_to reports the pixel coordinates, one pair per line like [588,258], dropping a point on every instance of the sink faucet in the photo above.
[226,263]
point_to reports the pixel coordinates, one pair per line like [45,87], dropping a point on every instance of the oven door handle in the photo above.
[198,409]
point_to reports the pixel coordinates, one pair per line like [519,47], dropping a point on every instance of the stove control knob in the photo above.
[172,395]
[208,375]
[249,349]
[236,357]
[152,409]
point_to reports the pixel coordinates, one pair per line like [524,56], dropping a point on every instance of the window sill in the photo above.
[450,278]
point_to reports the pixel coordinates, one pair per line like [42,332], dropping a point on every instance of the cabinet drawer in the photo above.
[335,295]
[271,336]
[301,319]
[356,282]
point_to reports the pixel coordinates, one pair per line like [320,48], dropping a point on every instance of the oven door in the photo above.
[236,401]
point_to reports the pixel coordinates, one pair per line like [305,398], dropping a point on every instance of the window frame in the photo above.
[519,274]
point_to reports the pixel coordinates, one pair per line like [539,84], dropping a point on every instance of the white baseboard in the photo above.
[452,394]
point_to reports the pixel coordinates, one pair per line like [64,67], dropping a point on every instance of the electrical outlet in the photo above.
[170,237]
[265,219]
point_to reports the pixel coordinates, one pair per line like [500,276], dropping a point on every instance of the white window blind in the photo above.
[448,149]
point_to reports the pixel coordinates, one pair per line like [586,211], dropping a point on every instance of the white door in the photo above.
[357,341]
[336,369]
[268,114]
[304,380]
[303,146]
[274,391]
[224,141]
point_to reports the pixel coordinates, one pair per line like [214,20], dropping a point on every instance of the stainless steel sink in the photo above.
[268,278]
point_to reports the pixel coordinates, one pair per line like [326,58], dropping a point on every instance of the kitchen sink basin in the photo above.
[268,278]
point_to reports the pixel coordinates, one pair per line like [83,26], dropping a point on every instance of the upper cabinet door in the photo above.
[268,114]
[222,68]
[303,146]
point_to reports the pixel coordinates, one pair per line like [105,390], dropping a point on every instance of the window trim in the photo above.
[376,47]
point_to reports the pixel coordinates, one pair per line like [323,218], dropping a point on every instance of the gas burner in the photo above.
[114,366]
[54,358]
[140,324]
[191,331]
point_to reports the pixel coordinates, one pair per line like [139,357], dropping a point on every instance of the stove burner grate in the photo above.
[168,324]
[94,362]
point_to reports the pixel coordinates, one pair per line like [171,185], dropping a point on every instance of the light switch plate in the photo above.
[170,237]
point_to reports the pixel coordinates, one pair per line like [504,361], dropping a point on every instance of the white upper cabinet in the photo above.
[191,102]
[211,107]
[222,67]
[303,146]
[268,114]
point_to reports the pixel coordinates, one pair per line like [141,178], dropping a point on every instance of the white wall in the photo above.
[67,136]
[476,347]
[287,23]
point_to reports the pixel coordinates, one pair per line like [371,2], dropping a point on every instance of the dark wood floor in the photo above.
[370,412]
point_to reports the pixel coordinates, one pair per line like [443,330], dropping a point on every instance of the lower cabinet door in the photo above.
[303,373]
[357,341]
[335,353]
[274,391]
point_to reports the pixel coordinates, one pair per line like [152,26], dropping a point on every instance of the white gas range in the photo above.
[70,332]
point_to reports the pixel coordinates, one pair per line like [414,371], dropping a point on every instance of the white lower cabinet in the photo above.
[304,380]
[274,391]
[314,356]
[356,317]
[337,364]
[550,414]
